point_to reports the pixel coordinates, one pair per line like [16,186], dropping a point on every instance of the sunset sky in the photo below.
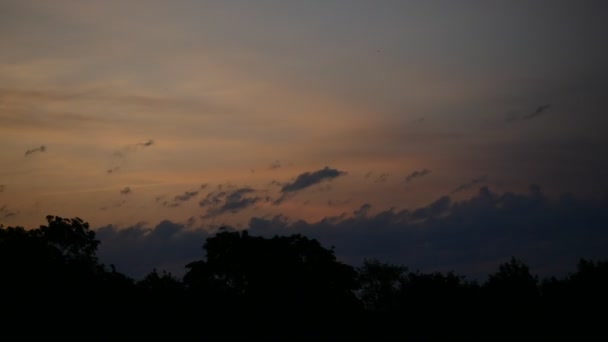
[177,117]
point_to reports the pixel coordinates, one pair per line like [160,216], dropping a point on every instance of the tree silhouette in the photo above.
[283,279]
[52,284]
[380,285]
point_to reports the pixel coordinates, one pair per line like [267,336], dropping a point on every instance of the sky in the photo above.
[421,132]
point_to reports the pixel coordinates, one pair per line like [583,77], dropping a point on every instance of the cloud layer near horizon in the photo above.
[470,237]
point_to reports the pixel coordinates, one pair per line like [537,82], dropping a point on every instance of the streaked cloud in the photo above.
[540,110]
[470,237]
[473,182]
[146,144]
[34,150]
[277,164]
[513,116]
[229,201]
[306,180]
[6,212]
[179,199]
[417,174]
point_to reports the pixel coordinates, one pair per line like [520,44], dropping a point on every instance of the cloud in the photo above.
[179,199]
[5,212]
[416,174]
[362,211]
[125,191]
[186,196]
[277,164]
[538,112]
[471,237]
[381,178]
[120,156]
[275,183]
[114,169]
[222,202]
[470,184]
[136,250]
[306,180]
[147,143]
[37,149]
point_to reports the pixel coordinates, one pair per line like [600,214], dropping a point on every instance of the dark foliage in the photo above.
[52,284]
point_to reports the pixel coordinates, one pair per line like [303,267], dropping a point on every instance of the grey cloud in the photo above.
[137,250]
[362,211]
[275,183]
[416,174]
[470,184]
[471,237]
[275,165]
[125,191]
[538,112]
[186,196]
[178,199]
[121,155]
[513,116]
[308,179]
[381,178]
[37,149]
[147,143]
[278,164]
[222,202]
[6,212]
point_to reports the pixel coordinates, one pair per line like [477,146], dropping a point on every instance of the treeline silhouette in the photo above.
[52,284]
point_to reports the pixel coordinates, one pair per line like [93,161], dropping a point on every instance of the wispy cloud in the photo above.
[34,150]
[306,180]
[470,184]
[5,212]
[381,178]
[540,110]
[120,156]
[233,201]
[114,169]
[179,199]
[147,143]
[417,174]
[469,236]
[277,164]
